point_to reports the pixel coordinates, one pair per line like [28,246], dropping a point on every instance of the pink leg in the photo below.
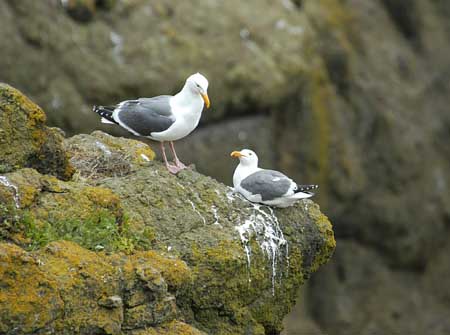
[171,168]
[177,161]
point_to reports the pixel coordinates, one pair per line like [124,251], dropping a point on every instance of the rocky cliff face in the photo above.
[127,50]
[374,121]
[123,247]
[352,95]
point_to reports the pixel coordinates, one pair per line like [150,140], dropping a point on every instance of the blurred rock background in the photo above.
[351,94]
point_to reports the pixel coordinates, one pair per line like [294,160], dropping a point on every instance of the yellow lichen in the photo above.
[326,229]
[28,194]
[143,152]
[101,196]
[175,272]
[171,328]
[26,304]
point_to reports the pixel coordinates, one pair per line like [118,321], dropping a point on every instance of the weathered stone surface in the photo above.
[374,115]
[246,54]
[405,295]
[25,141]
[171,328]
[29,297]
[66,289]
[357,92]
[100,154]
[365,117]
[125,247]
[113,301]
[224,295]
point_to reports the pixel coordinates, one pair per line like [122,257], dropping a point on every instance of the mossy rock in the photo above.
[198,266]
[102,155]
[25,141]
[170,328]
[201,229]
[125,245]
[66,289]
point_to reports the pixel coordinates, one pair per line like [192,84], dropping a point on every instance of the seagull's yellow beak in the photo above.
[236,154]
[206,99]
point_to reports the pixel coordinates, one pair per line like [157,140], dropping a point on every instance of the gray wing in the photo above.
[269,184]
[146,115]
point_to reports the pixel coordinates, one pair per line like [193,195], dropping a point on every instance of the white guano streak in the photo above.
[5,181]
[196,211]
[269,236]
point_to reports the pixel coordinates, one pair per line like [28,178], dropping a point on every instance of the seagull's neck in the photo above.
[188,99]
[243,171]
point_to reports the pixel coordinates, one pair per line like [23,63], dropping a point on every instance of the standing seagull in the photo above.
[268,187]
[162,118]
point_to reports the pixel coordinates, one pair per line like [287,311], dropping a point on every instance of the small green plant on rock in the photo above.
[98,232]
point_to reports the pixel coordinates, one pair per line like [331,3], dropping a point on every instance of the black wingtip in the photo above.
[306,188]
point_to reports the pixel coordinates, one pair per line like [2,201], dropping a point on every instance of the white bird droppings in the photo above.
[145,158]
[216,215]
[103,148]
[265,228]
[5,181]
[196,211]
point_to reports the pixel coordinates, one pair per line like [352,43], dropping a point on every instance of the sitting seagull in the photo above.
[162,118]
[268,187]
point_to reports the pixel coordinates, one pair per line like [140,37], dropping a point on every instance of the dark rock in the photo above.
[126,61]
[342,303]
[25,141]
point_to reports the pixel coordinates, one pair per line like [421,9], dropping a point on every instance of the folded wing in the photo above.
[269,184]
[146,115]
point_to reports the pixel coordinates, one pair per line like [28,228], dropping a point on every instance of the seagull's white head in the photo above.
[199,85]
[246,157]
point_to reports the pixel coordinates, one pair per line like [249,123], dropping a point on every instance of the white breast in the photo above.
[187,119]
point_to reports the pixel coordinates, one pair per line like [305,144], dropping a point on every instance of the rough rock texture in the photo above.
[406,295]
[128,51]
[354,96]
[25,141]
[66,289]
[100,154]
[124,247]
[375,118]
[373,111]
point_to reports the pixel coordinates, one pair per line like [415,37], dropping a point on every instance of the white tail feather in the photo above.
[106,121]
[301,195]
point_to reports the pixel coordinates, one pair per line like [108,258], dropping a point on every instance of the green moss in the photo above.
[27,195]
[225,289]
[99,231]
[9,221]
[329,243]
[96,232]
